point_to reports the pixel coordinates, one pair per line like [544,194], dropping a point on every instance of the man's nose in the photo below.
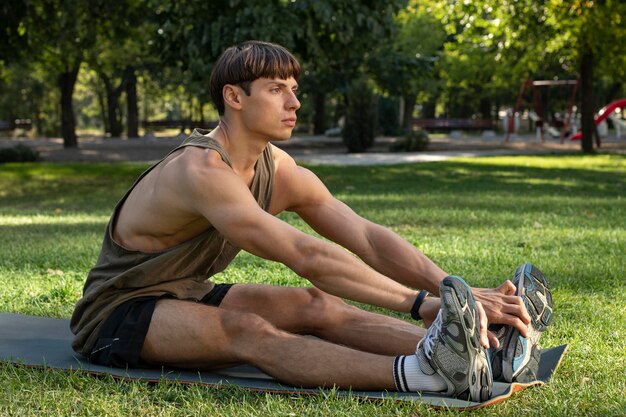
[293,102]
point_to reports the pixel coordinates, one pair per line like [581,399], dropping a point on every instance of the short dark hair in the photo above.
[248,61]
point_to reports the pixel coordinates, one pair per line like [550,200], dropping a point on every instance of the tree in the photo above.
[594,26]
[335,39]
[122,46]
[405,66]
[359,131]
[190,45]
[32,96]
[59,32]
[332,38]
[579,35]
[13,41]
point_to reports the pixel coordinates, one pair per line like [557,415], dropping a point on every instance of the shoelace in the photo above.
[432,335]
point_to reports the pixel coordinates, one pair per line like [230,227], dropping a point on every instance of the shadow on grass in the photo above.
[486,200]
[462,177]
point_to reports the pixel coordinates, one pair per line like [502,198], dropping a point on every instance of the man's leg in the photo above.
[192,335]
[314,312]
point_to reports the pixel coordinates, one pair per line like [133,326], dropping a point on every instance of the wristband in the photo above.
[417,304]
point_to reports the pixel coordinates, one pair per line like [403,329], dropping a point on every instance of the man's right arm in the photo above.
[226,202]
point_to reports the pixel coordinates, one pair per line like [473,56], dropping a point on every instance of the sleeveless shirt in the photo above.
[182,271]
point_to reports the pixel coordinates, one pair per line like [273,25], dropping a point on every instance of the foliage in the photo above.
[18,153]
[405,65]
[551,39]
[360,127]
[12,31]
[453,58]
[388,115]
[34,97]
[412,141]
[338,36]
[194,44]
[122,48]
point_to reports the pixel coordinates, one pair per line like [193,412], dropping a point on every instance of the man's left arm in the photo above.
[376,245]
[397,259]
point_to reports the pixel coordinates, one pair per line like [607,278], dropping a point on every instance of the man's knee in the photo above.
[190,334]
[246,326]
[322,310]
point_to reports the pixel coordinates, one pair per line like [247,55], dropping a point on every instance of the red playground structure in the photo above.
[604,112]
[536,86]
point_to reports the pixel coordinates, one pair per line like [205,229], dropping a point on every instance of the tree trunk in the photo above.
[485,108]
[103,111]
[132,121]
[409,105]
[319,118]
[201,110]
[587,111]
[67,81]
[429,108]
[113,98]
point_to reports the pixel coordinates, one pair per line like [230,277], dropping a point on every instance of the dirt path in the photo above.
[317,149]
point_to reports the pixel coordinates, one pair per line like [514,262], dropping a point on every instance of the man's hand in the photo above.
[484,333]
[503,307]
[431,306]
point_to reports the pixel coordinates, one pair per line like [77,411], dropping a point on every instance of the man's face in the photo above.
[270,109]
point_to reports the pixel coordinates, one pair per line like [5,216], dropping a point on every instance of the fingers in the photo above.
[515,306]
[507,288]
[502,306]
[484,339]
[515,322]
[493,339]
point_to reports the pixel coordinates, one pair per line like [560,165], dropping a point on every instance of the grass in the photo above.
[478,218]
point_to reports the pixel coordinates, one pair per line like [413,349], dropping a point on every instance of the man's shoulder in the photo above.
[285,164]
[192,160]
[280,155]
[296,186]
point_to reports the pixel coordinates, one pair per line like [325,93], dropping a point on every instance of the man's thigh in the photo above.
[189,334]
[295,310]
[193,335]
[314,312]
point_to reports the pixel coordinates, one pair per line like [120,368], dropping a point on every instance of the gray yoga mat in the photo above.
[44,342]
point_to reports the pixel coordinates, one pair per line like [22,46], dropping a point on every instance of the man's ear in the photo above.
[232,96]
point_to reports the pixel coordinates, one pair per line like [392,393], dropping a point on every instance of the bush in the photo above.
[360,128]
[18,153]
[412,141]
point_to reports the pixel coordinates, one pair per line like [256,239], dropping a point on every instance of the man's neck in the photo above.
[242,147]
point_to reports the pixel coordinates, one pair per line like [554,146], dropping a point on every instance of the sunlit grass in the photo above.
[478,218]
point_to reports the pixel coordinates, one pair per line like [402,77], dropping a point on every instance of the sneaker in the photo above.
[452,344]
[517,358]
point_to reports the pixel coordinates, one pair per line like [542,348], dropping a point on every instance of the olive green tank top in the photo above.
[182,271]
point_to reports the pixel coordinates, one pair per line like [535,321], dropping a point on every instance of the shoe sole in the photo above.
[464,305]
[521,354]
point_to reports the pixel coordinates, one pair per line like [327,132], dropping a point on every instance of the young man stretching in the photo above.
[149,300]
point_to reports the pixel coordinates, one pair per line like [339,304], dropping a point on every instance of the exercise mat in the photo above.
[43,342]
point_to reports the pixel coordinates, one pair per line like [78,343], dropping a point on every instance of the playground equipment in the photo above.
[536,86]
[606,112]
[620,125]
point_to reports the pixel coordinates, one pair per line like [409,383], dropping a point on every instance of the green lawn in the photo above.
[478,218]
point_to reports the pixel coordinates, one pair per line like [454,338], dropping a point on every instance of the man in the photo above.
[149,301]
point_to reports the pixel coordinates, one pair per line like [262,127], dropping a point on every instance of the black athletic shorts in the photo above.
[122,334]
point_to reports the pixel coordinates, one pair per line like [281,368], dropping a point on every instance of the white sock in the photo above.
[411,375]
